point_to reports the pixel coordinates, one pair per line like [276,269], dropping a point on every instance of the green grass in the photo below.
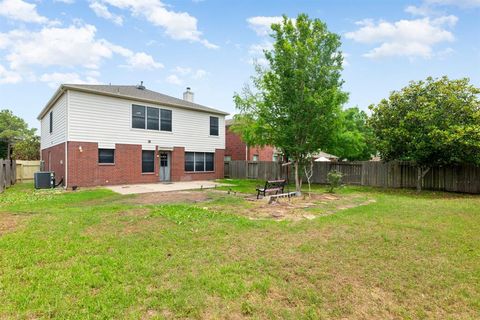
[92,255]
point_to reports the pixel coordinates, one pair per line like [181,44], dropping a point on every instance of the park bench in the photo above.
[271,186]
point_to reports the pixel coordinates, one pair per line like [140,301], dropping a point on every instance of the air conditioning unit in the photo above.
[44,179]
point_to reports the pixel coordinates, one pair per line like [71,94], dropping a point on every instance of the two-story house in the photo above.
[109,134]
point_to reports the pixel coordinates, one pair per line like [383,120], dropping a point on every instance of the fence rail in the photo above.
[463,178]
[7,174]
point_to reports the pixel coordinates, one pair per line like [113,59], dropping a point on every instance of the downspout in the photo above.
[66,139]
[246,152]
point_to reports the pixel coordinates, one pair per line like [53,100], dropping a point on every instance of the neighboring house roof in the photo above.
[228,122]
[321,154]
[131,93]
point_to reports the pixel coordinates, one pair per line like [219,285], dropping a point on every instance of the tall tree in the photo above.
[433,122]
[12,128]
[297,98]
[355,139]
[27,149]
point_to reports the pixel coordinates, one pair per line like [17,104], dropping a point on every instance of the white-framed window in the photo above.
[214,126]
[106,156]
[255,157]
[227,158]
[199,161]
[151,118]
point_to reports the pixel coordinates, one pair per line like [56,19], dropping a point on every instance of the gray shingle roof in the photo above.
[145,94]
[133,93]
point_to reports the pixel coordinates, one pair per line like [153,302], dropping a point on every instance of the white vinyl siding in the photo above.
[59,130]
[108,120]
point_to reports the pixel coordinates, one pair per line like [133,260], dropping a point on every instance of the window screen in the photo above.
[138,117]
[214,126]
[148,161]
[106,155]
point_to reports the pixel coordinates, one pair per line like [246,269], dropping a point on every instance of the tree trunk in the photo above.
[421,173]
[419,179]
[298,180]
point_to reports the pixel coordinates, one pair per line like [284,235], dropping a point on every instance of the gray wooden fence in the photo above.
[464,178]
[7,174]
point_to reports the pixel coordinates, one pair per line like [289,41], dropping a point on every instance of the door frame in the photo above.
[169,166]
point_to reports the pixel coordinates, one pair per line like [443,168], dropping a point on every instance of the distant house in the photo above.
[236,149]
[324,157]
[110,134]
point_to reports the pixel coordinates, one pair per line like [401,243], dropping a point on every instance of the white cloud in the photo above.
[174,79]
[199,74]
[65,1]
[141,60]
[56,78]
[262,25]
[7,76]
[21,11]
[102,11]
[177,25]
[68,47]
[459,3]
[179,75]
[72,48]
[409,38]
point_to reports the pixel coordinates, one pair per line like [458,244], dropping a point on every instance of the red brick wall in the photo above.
[264,154]
[178,167]
[84,169]
[57,156]
[235,148]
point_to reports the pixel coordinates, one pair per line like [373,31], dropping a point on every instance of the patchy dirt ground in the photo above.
[294,208]
[171,197]
[10,222]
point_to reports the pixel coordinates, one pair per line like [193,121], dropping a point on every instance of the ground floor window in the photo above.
[227,158]
[199,161]
[148,161]
[106,156]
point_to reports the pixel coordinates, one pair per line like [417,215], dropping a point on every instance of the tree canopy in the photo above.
[297,99]
[12,129]
[355,138]
[432,122]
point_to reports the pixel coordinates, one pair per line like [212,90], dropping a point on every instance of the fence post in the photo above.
[2,176]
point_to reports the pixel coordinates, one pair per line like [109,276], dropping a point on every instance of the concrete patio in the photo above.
[164,187]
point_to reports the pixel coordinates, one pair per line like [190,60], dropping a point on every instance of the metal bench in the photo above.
[271,186]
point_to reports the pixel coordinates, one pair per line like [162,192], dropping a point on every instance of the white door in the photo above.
[164,166]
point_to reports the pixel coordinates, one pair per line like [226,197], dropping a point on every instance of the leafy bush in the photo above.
[334,179]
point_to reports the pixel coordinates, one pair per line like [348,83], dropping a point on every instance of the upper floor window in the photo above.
[106,156]
[214,126]
[151,118]
[51,121]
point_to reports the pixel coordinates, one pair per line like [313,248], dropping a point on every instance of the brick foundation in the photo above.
[85,171]
[56,161]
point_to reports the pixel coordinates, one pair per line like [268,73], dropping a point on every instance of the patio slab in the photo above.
[164,187]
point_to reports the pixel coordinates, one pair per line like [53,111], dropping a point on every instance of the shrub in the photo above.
[334,179]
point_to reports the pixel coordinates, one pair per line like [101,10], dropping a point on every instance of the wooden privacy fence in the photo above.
[7,174]
[26,169]
[464,178]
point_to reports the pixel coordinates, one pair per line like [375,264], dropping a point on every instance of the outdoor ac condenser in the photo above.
[44,179]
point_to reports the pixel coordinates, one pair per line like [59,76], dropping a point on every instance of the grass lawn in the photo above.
[93,254]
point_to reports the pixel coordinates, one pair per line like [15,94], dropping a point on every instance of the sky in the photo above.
[211,45]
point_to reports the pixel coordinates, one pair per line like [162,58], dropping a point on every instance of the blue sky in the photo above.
[209,45]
